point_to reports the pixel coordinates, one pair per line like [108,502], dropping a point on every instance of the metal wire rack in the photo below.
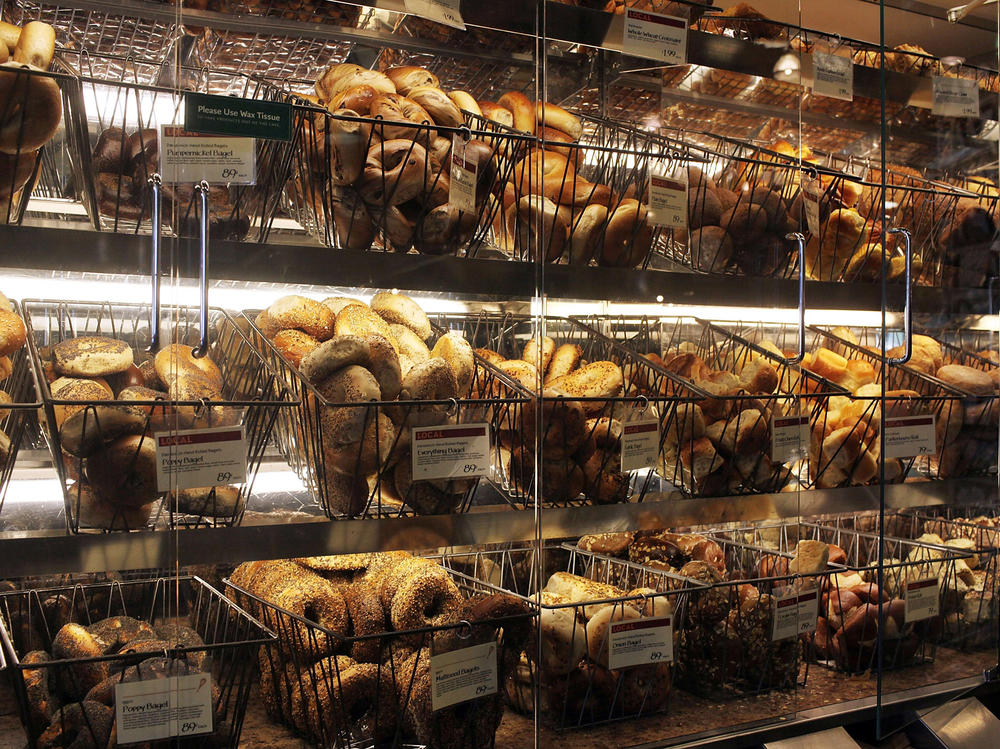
[17,416]
[80,431]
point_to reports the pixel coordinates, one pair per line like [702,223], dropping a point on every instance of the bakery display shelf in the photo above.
[244,262]
[51,551]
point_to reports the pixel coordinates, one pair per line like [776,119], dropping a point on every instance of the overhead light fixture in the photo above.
[959,12]
[787,68]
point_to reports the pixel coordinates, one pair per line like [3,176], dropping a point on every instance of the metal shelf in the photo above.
[84,251]
[42,552]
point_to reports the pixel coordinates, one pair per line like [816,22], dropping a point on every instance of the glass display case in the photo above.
[643,355]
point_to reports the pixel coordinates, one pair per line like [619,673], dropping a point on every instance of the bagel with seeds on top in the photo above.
[301,313]
[91,356]
[359,320]
[340,351]
[412,350]
[12,332]
[454,349]
[178,361]
[400,309]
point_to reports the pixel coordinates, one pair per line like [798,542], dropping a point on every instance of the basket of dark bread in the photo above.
[364,641]
[71,649]
[109,400]
[368,375]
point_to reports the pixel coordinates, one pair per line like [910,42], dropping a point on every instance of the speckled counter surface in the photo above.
[687,714]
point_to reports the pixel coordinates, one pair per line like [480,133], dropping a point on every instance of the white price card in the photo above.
[794,614]
[440,11]
[463,675]
[922,601]
[910,436]
[640,443]
[196,458]
[668,201]
[462,187]
[452,451]
[955,97]
[639,642]
[163,708]
[789,438]
[833,76]
[191,157]
[812,191]
[655,36]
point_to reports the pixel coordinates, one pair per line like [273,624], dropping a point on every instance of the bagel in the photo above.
[497,113]
[554,140]
[16,170]
[396,111]
[408,77]
[340,77]
[444,229]
[178,361]
[401,309]
[628,239]
[552,115]
[294,345]
[433,379]
[356,319]
[363,456]
[412,350]
[32,110]
[522,108]
[337,303]
[533,221]
[348,147]
[85,431]
[9,34]
[385,365]
[301,313]
[586,233]
[124,473]
[454,349]
[91,356]
[395,171]
[600,379]
[428,598]
[543,170]
[563,425]
[564,360]
[208,501]
[531,354]
[356,101]
[12,332]
[79,725]
[350,384]
[353,224]
[36,45]
[464,101]
[435,102]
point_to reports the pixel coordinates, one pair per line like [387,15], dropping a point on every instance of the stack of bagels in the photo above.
[106,408]
[31,105]
[581,439]
[13,336]
[364,671]
[384,174]
[371,355]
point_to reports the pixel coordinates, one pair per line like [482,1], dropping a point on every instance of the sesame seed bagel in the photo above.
[399,308]
[12,332]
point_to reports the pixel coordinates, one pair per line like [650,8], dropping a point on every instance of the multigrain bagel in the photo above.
[428,598]
[399,308]
[301,313]
[12,332]
[33,109]
[454,349]
[91,356]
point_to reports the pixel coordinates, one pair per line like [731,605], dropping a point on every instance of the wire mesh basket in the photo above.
[572,666]
[965,431]
[863,621]
[131,631]
[360,182]
[740,436]
[16,415]
[580,435]
[370,684]
[125,104]
[115,439]
[374,477]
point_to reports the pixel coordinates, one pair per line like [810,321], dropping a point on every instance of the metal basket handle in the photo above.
[201,190]
[907,308]
[800,239]
[154,315]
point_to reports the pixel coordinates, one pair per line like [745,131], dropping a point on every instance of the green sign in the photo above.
[228,115]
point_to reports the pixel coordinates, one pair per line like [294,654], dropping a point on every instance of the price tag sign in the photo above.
[440,11]
[191,157]
[452,451]
[462,187]
[196,458]
[923,600]
[833,76]
[910,436]
[955,97]
[463,675]
[794,614]
[640,443]
[163,708]
[812,191]
[639,642]
[655,36]
[668,201]
[789,438]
